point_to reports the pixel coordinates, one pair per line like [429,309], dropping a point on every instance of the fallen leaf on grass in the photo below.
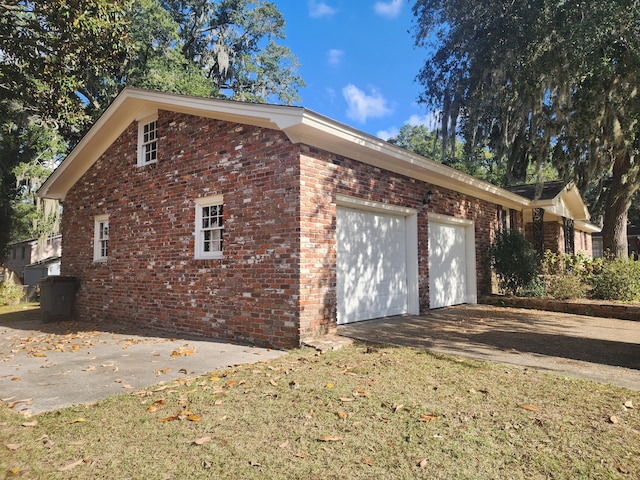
[428,417]
[70,466]
[255,464]
[422,463]
[168,419]
[368,462]
[531,408]
[613,419]
[284,444]
[13,446]
[342,414]
[628,404]
[30,424]
[359,392]
[194,418]
[202,440]
[77,420]
[329,438]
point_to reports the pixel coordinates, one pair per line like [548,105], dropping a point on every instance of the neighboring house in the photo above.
[264,224]
[557,219]
[633,241]
[25,258]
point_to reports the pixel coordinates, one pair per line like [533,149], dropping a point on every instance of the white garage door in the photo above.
[371,260]
[447,264]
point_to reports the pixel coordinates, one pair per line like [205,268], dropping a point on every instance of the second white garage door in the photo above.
[452,272]
[371,259]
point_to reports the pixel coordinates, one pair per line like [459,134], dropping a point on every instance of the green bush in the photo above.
[564,263]
[617,279]
[10,293]
[514,260]
[565,287]
[534,289]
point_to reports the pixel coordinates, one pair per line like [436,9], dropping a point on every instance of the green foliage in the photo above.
[566,264]
[617,279]
[63,61]
[565,287]
[428,143]
[231,44]
[10,293]
[514,260]
[541,83]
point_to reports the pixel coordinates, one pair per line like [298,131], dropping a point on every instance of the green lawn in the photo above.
[360,412]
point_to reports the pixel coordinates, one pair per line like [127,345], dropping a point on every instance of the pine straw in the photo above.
[360,412]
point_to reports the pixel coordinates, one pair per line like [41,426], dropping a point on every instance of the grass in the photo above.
[360,412]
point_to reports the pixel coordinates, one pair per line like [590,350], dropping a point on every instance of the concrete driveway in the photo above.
[48,366]
[599,349]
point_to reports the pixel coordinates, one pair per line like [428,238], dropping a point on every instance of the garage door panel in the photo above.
[447,265]
[371,265]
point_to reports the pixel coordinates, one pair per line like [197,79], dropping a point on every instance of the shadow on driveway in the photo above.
[46,366]
[599,349]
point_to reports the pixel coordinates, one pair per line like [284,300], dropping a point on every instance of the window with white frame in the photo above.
[147,141]
[101,238]
[209,227]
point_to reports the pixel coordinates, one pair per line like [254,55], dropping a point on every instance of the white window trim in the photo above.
[141,143]
[199,253]
[97,241]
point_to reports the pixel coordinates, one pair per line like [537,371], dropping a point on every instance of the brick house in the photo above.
[264,224]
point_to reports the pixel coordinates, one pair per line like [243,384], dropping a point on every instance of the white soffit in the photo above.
[299,124]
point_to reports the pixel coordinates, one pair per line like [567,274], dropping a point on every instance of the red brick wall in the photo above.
[324,175]
[151,277]
[275,284]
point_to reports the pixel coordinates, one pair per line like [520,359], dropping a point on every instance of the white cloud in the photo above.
[320,9]
[388,133]
[335,57]
[363,106]
[390,10]
[429,120]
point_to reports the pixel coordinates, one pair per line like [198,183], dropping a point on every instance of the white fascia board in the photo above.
[586,227]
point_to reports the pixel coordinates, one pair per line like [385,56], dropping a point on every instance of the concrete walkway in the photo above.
[44,367]
[599,349]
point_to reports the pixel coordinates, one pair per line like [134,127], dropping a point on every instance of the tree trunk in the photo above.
[616,209]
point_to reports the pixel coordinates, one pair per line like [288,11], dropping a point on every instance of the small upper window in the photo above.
[209,227]
[147,141]
[101,238]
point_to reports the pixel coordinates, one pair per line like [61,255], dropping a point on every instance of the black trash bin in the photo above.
[57,294]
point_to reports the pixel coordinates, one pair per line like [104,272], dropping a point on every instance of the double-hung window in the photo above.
[147,141]
[101,238]
[209,227]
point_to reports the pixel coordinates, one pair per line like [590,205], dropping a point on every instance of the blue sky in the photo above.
[358,60]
